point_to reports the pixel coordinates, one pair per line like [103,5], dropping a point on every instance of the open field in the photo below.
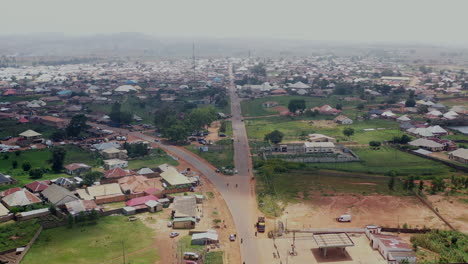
[39,159]
[383,210]
[151,161]
[254,107]
[17,234]
[15,98]
[224,157]
[11,128]
[294,128]
[453,208]
[388,159]
[100,243]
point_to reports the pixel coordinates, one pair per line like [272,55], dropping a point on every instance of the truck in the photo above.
[261,224]
[344,218]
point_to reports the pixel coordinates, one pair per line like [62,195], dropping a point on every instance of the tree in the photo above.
[115,113]
[438,185]
[164,117]
[70,221]
[58,135]
[200,118]
[422,109]
[14,164]
[410,102]
[411,183]
[374,144]
[36,173]
[58,158]
[348,132]
[421,186]
[391,183]
[274,137]
[77,125]
[339,106]
[26,166]
[176,132]
[360,107]
[296,105]
[91,177]
[259,70]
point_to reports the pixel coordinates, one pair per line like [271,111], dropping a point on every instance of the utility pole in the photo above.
[193,60]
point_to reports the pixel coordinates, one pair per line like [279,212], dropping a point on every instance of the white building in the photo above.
[319,147]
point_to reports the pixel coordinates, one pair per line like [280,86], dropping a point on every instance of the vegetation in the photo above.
[18,234]
[57,159]
[219,156]
[214,257]
[95,243]
[12,128]
[274,137]
[296,105]
[155,158]
[452,246]
[136,150]
[76,126]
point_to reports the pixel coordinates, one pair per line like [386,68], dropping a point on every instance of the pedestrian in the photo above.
[255,233]
[236,185]
[227,185]
[242,240]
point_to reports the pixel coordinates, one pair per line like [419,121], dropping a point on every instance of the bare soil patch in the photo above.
[391,211]
[452,209]
[322,123]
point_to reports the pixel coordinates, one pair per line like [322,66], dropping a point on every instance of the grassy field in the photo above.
[214,257]
[255,108]
[130,104]
[13,99]
[11,128]
[387,159]
[293,129]
[17,234]
[153,160]
[93,244]
[39,159]
[218,158]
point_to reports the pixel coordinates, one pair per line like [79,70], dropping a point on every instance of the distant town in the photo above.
[241,159]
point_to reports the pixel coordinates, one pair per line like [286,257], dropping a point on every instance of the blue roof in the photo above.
[131,82]
[64,92]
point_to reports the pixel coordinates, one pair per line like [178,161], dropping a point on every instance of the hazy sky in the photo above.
[367,20]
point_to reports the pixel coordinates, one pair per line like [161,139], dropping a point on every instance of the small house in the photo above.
[319,147]
[269,104]
[77,169]
[460,155]
[206,238]
[184,223]
[343,120]
[115,163]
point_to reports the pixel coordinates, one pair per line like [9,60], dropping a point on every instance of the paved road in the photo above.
[236,190]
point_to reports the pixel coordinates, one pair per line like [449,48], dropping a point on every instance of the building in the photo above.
[58,195]
[141,200]
[392,248]
[20,198]
[269,104]
[78,206]
[343,120]
[115,163]
[37,186]
[29,137]
[184,206]
[104,190]
[319,147]
[184,223]
[76,169]
[320,138]
[460,155]
[172,177]
[206,238]
[114,153]
[53,121]
[427,144]
[6,179]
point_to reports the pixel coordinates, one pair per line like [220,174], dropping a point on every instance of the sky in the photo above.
[440,21]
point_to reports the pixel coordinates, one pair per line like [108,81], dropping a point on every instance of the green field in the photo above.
[128,103]
[218,158]
[95,244]
[155,159]
[39,159]
[293,129]
[255,108]
[11,128]
[214,257]
[387,159]
[17,234]
[13,99]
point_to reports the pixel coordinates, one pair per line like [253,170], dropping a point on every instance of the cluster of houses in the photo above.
[143,190]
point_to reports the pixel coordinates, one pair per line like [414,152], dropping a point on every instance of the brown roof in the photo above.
[37,186]
[75,166]
[118,173]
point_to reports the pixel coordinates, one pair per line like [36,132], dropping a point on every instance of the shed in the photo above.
[154,206]
[184,223]
[128,210]
[332,240]
[207,238]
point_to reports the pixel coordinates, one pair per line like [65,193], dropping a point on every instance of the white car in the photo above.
[173,234]
[169,224]
[232,237]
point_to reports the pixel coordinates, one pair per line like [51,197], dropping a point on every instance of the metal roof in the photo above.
[329,240]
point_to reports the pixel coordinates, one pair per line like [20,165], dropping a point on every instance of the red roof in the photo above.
[117,173]
[23,120]
[74,166]
[10,191]
[37,186]
[141,200]
[10,92]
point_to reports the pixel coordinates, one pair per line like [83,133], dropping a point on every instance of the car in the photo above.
[169,224]
[174,234]
[222,135]
[232,237]
[236,171]
[132,218]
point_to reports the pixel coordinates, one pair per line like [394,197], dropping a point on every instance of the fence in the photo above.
[18,260]
[346,155]
[426,203]
[406,230]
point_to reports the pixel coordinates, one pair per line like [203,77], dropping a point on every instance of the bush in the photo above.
[36,173]
[26,166]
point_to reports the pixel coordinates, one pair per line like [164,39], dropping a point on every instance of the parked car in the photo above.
[173,234]
[169,224]
[232,237]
